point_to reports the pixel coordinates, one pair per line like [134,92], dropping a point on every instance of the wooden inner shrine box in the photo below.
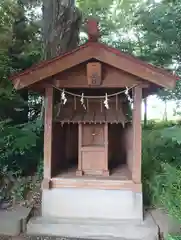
[93,149]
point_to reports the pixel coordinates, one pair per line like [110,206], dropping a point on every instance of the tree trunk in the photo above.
[61,23]
[145,111]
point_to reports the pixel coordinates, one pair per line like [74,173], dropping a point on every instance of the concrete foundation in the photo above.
[92,229]
[92,204]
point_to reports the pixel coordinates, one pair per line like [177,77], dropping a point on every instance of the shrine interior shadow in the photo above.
[65,153]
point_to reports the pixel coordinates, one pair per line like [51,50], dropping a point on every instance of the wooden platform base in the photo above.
[120,173]
[92,173]
[120,178]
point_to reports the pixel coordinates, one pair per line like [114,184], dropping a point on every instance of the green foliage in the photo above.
[114,17]
[173,237]
[39,172]
[14,187]
[167,190]
[162,169]
[20,47]
[159,29]
[19,146]
[155,125]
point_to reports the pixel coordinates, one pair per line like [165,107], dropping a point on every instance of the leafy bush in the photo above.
[14,187]
[156,125]
[21,149]
[162,169]
[39,172]
[167,190]
[20,146]
[173,237]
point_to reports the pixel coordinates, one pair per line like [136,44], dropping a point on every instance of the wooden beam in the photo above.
[101,53]
[48,132]
[53,67]
[100,184]
[137,134]
[112,78]
[141,70]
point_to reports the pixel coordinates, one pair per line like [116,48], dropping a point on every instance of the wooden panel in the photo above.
[53,67]
[93,162]
[98,184]
[58,148]
[93,150]
[116,147]
[138,69]
[111,78]
[71,144]
[92,135]
[128,137]
[94,74]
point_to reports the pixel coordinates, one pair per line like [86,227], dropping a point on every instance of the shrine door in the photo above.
[93,149]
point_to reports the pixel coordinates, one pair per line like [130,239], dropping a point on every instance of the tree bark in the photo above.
[61,24]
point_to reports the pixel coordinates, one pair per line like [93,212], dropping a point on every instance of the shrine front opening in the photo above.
[90,139]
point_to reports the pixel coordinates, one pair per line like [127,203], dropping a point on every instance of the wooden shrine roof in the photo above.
[102,53]
[107,116]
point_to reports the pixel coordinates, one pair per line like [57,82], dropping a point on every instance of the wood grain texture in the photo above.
[93,158]
[111,77]
[137,135]
[48,132]
[102,53]
[96,184]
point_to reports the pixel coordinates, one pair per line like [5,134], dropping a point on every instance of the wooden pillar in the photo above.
[137,134]
[79,172]
[48,135]
[106,170]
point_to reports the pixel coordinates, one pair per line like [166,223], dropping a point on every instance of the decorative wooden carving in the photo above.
[94,74]
[93,30]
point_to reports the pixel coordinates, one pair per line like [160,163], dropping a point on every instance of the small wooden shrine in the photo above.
[92,130]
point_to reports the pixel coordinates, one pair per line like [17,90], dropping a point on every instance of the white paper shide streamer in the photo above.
[106,104]
[63,97]
[105,97]
[127,94]
[82,101]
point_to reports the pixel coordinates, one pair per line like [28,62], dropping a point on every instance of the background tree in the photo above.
[61,23]
[19,48]
[159,26]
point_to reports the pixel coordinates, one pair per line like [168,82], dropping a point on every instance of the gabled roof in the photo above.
[104,54]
